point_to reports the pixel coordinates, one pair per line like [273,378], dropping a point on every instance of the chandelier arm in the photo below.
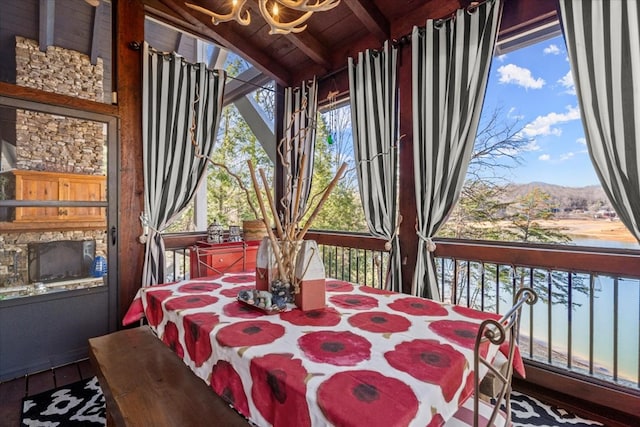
[234,15]
[304,6]
[277,27]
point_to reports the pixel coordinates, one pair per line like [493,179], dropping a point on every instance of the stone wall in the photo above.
[47,142]
[58,70]
[51,142]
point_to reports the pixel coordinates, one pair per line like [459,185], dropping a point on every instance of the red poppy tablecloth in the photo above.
[370,358]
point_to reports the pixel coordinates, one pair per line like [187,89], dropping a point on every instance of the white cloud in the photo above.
[544,157]
[552,49]
[582,141]
[511,114]
[567,156]
[531,146]
[511,73]
[501,58]
[567,82]
[544,125]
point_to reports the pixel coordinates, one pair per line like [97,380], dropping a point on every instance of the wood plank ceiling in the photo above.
[332,36]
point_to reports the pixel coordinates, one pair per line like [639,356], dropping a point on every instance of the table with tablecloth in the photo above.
[370,358]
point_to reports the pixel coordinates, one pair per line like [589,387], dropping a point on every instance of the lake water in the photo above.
[628,300]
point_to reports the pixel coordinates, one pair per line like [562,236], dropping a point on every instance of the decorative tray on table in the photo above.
[261,301]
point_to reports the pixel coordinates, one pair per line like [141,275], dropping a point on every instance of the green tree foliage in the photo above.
[477,214]
[227,202]
[535,206]
[343,209]
[236,144]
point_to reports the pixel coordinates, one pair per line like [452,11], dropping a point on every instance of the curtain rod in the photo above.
[251,84]
[406,38]
[136,46]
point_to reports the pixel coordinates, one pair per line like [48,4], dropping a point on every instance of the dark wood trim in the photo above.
[581,395]
[523,15]
[337,81]
[35,95]
[401,26]
[347,240]
[407,196]
[182,240]
[369,14]
[129,26]
[310,46]
[223,35]
[618,262]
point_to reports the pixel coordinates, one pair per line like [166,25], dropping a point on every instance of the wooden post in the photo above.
[407,196]
[129,25]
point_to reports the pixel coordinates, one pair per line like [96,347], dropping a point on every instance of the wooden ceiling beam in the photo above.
[520,16]
[403,25]
[223,35]
[372,18]
[311,47]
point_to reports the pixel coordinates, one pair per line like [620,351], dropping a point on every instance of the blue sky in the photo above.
[534,86]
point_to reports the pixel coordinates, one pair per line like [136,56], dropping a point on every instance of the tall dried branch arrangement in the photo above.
[290,228]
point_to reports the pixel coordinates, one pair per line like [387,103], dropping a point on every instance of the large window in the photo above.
[531,178]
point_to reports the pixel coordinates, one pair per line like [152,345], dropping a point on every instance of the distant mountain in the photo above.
[590,198]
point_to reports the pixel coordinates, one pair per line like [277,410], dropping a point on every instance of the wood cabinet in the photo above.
[53,186]
[210,259]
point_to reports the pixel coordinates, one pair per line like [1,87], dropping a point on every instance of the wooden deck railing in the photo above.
[584,333]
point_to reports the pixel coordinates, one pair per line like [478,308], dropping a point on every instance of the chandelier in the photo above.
[276,15]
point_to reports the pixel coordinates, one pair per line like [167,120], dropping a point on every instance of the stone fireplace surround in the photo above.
[14,275]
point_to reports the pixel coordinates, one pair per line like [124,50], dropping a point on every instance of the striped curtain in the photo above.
[603,41]
[374,120]
[300,110]
[180,101]
[451,61]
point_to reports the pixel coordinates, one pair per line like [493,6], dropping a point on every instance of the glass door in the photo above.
[58,246]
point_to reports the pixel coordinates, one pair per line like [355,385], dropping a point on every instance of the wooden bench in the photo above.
[146,384]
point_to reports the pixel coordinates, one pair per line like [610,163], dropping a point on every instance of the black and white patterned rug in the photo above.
[82,404]
[77,404]
[527,411]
